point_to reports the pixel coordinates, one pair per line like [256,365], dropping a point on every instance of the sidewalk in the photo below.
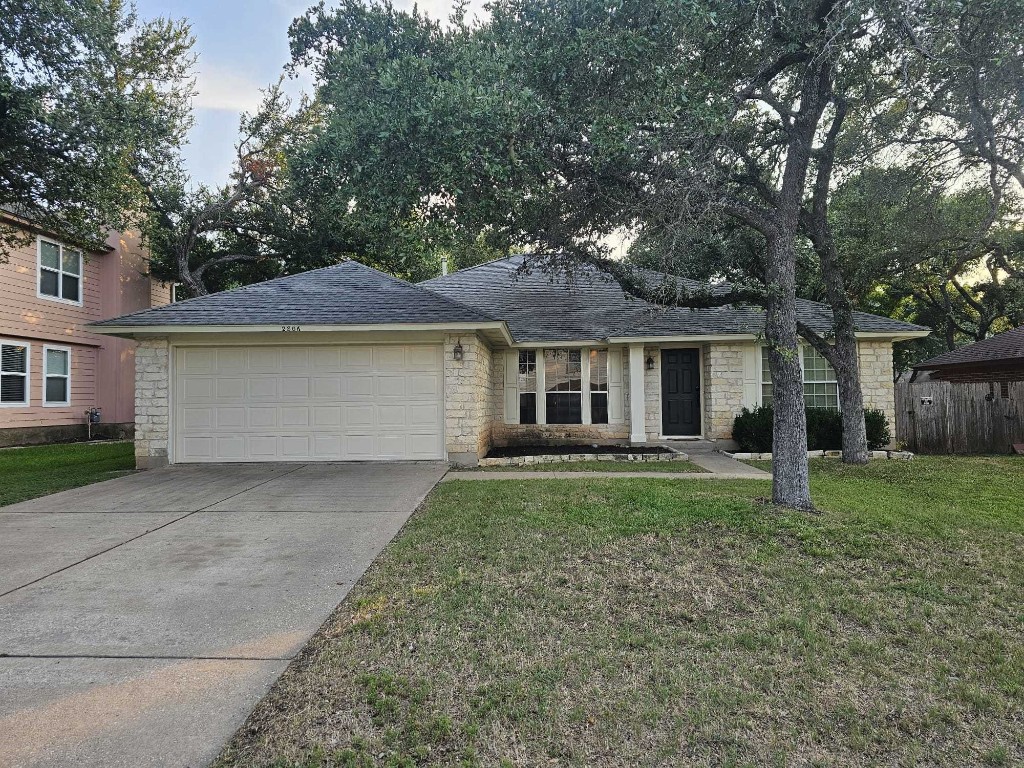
[718,466]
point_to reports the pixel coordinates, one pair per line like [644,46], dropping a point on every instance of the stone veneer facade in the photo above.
[468,399]
[152,403]
[474,397]
[876,379]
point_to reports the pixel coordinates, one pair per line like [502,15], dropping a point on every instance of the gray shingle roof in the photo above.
[348,293]
[540,307]
[1002,347]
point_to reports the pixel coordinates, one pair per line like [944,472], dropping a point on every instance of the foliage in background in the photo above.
[88,93]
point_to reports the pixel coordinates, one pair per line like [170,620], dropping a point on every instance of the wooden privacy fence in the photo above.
[946,417]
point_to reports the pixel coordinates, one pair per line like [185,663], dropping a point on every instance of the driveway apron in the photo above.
[142,618]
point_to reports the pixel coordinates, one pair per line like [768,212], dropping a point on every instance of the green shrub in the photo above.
[877,427]
[752,429]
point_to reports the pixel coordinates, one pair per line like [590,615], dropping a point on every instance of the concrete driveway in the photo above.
[142,618]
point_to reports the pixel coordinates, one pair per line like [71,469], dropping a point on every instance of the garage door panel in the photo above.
[327,387]
[230,447]
[358,386]
[390,386]
[424,415]
[196,389]
[327,416]
[261,418]
[198,418]
[264,360]
[230,418]
[230,388]
[231,361]
[295,416]
[305,403]
[389,358]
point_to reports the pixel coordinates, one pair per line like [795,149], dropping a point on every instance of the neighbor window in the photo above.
[60,272]
[821,390]
[599,386]
[56,376]
[13,373]
[527,386]
[563,382]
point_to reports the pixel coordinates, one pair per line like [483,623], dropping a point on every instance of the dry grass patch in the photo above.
[647,622]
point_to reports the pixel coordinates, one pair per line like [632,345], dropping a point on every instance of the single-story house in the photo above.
[996,360]
[347,363]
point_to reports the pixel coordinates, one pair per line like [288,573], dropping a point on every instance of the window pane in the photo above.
[56,362]
[69,286]
[48,283]
[56,389]
[562,371]
[599,407]
[12,388]
[816,367]
[49,255]
[13,358]
[564,408]
[72,262]
[599,370]
[766,369]
[528,408]
[527,371]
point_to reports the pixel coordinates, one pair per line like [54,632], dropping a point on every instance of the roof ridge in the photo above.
[464,270]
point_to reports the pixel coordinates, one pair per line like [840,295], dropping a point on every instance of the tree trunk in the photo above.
[790,480]
[845,358]
[851,400]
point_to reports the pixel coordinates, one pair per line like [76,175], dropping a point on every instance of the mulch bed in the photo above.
[565,450]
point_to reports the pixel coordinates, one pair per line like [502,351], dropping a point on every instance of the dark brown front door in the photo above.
[680,392]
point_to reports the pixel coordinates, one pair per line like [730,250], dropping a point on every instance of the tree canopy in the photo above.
[88,93]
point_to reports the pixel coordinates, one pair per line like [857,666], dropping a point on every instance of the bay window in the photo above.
[821,388]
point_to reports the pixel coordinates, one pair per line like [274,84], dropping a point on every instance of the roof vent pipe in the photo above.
[444,264]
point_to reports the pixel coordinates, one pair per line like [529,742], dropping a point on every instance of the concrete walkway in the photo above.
[142,618]
[702,453]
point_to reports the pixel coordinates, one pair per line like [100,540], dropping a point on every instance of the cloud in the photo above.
[223,89]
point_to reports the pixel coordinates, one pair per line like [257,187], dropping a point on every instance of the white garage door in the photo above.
[308,403]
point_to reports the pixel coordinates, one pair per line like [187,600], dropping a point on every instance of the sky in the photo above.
[242,46]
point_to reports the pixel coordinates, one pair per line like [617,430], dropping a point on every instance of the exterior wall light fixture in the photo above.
[457,350]
[650,362]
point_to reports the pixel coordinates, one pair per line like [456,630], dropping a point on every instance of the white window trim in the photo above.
[47,374]
[543,360]
[803,376]
[28,374]
[60,283]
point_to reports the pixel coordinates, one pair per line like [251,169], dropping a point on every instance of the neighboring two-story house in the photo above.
[52,369]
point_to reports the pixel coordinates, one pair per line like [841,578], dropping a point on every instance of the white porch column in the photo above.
[637,430]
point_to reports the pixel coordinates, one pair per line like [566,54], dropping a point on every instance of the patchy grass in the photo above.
[600,466]
[26,473]
[647,622]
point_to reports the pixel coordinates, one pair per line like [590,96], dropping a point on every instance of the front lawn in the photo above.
[619,622]
[26,473]
[600,466]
